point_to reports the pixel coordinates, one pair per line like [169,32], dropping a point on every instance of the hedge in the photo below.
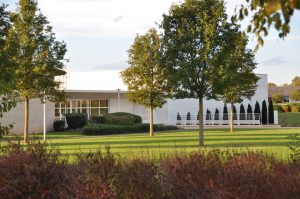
[106,129]
[120,118]
[97,119]
[76,120]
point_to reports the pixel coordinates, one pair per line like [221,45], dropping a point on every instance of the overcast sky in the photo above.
[98,34]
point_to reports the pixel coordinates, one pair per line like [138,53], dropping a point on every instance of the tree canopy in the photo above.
[191,42]
[146,80]
[7,101]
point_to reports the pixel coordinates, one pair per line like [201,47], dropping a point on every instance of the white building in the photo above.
[102,92]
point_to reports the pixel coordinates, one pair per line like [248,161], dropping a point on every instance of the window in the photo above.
[88,106]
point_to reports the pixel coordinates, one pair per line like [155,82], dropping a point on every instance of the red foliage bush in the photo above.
[37,172]
[193,176]
[34,173]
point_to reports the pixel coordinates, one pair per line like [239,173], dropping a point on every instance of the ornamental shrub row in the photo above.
[107,129]
[37,172]
[120,118]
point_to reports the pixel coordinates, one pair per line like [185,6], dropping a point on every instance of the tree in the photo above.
[295,95]
[37,56]
[271,112]
[235,79]
[146,80]
[192,39]
[7,101]
[249,112]
[276,98]
[296,81]
[225,112]
[266,13]
[242,112]
[271,84]
[264,113]
[217,115]
[257,111]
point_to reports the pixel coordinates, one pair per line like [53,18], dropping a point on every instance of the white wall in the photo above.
[16,117]
[183,106]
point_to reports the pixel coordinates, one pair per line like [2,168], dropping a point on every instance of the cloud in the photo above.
[118,18]
[111,66]
[274,61]
[105,18]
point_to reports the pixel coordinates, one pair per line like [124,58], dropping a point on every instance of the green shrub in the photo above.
[105,129]
[122,118]
[278,108]
[97,119]
[76,120]
[59,125]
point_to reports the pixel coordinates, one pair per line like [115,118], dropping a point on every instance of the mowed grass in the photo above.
[289,119]
[270,141]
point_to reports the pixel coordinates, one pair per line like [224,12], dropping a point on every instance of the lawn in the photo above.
[272,141]
[289,119]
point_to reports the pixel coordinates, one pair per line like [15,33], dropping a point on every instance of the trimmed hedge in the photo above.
[59,125]
[97,119]
[76,120]
[106,129]
[122,118]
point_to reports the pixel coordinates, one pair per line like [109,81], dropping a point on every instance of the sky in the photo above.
[98,34]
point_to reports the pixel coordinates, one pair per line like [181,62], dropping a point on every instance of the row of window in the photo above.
[89,106]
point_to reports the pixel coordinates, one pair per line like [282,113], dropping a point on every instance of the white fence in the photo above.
[220,119]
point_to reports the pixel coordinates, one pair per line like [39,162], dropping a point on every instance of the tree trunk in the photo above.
[201,132]
[151,121]
[231,117]
[26,118]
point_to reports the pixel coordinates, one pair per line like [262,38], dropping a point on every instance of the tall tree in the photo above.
[37,56]
[146,80]
[7,100]
[225,112]
[271,112]
[242,112]
[264,113]
[235,79]
[257,114]
[249,112]
[191,41]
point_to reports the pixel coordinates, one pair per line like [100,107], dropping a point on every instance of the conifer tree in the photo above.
[257,114]
[271,112]
[264,113]
[242,112]
[249,112]
[225,112]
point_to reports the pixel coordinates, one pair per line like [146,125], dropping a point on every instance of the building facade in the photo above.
[102,92]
